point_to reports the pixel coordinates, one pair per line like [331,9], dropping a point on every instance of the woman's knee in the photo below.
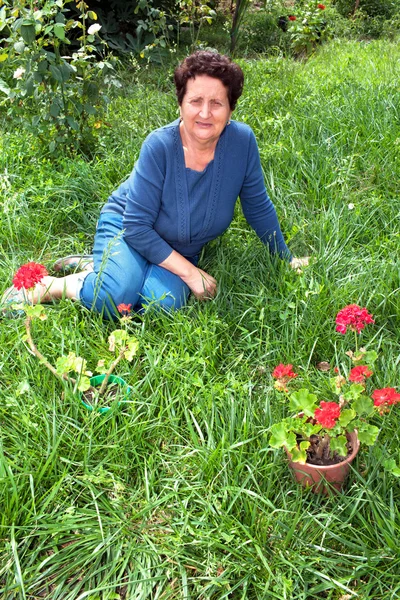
[100,291]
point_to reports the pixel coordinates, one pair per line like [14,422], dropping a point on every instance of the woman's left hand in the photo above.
[297,263]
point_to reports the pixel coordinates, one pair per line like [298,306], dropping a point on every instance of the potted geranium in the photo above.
[97,392]
[322,437]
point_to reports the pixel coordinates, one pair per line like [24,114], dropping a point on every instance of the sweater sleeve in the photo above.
[257,207]
[143,202]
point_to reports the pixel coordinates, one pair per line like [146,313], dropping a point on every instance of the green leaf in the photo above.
[66,70]
[391,466]
[299,455]
[56,73]
[338,444]
[72,123]
[3,57]
[303,401]
[66,364]
[92,91]
[35,312]
[346,416]
[55,109]
[4,87]
[59,31]
[91,110]
[367,434]
[132,349]
[365,356]
[19,47]
[280,437]
[117,339]
[42,66]
[354,392]
[30,85]
[22,388]
[28,33]
[363,405]
[84,383]
[308,429]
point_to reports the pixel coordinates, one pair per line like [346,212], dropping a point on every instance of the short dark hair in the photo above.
[204,62]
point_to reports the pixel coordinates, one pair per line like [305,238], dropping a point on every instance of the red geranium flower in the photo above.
[358,374]
[29,275]
[321,6]
[282,371]
[124,309]
[327,414]
[386,396]
[354,317]
[292,18]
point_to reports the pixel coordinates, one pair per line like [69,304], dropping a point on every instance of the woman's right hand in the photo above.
[203,285]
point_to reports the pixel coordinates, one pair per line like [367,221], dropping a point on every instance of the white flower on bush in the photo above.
[18,73]
[94,29]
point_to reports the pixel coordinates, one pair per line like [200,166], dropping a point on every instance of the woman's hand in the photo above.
[297,263]
[203,285]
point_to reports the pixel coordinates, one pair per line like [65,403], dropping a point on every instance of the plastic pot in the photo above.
[97,381]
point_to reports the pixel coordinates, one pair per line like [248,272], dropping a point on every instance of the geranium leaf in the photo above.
[367,434]
[84,383]
[132,349]
[363,405]
[391,466]
[35,312]
[354,392]
[367,356]
[338,444]
[280,436]
[308,429]
[346,416]
[303,401]
[117,339]
[299,455]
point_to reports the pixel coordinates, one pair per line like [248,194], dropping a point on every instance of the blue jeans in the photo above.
[122,275]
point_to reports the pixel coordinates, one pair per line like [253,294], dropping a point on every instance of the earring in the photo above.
[228,122]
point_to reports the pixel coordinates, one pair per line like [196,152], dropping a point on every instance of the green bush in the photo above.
[260,32]
[61,98]
[372,8]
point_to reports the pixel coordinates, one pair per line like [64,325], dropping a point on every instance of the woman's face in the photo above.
[205,109]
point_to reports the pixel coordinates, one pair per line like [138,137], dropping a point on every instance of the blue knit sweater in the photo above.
[158,214]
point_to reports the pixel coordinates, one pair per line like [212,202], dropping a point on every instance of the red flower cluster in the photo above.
[385,397]
[124,309]
[354,317]
[327,414]
[321,6]
[283,371]
[29,275]
[292,18]
[359,374]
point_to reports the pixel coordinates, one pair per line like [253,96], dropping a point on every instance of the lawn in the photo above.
[178,495]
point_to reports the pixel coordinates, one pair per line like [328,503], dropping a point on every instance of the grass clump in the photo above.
[178,495]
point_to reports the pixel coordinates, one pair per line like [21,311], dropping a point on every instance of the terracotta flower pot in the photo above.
[316,476]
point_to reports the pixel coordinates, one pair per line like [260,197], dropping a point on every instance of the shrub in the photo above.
[372,8]
[260,31]
[63,96]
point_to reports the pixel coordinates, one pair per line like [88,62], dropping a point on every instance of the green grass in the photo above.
[178,495]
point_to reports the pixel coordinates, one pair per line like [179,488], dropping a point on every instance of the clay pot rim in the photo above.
[349,458]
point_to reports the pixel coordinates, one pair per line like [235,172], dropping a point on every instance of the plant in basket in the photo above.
[97,392]
[323,434]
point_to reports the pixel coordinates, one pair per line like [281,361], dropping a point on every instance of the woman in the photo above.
[180,195]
